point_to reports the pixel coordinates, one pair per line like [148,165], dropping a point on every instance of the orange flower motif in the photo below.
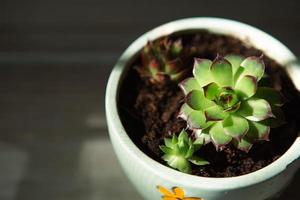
[176,194]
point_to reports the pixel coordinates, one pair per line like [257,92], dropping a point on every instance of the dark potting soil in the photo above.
[149,111]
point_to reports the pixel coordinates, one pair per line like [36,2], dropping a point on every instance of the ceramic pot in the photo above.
[155,181]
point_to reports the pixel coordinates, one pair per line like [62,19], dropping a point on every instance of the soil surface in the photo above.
[149,111]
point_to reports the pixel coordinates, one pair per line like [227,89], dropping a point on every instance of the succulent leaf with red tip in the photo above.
[224,104]
[161,59]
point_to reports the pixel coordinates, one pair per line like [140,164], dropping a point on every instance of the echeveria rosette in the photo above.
[179,152]
[161,60]
[224,104]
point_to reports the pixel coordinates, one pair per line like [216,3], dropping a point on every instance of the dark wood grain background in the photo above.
[55,59]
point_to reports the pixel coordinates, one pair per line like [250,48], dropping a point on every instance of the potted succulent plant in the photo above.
[205,108]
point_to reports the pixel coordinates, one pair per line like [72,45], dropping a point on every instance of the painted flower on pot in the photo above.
[224,102]
[179,152]
[161,60]
[176,194]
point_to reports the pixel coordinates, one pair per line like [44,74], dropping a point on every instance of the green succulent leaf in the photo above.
[197,101]
[270,95]
[258,131]
[189,84]
[246,86]
[234,108]
[176,47]
[171,67]
[168,142]
[235,62]
[154,67]
[185,111]
[203,135]
[174,140]
[211,91]
[198,161]
[197,120]
[165,149]
[201,71]
[218,136]
[215,113]
[221,71]
[177,162]
[199,141]
[235,126]
[276,121]
[178,75]
[190,151]
[244,144]
[253,66]
[183,136]
[183,147]
[255,109]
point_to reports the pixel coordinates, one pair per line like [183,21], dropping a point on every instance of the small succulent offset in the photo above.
[161,60]
[224,104]
[179,152]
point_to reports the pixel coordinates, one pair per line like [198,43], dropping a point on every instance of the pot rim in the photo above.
[257,38]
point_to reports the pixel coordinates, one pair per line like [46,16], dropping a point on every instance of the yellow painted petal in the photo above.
[178,192]
[192,198]
[169,198]
[164,191]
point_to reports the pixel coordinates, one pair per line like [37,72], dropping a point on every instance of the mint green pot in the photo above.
[155,181]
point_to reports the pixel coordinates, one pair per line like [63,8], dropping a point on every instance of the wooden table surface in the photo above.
[55,58]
